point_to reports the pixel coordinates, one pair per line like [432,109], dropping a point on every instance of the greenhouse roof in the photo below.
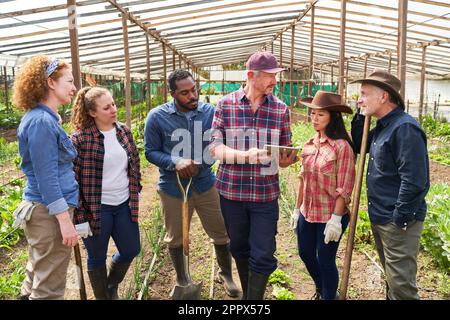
[215,32]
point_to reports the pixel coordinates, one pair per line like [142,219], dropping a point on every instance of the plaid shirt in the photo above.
[236,126]
[88,168]
[328,171]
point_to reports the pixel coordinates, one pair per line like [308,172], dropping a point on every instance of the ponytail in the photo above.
[85,101]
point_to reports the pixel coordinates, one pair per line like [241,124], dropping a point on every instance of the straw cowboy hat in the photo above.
[386,81]
[328,101]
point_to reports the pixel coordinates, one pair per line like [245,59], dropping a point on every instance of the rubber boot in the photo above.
[256,285]
[98,279]
[225,276]
[317,295]
[176,254]
[117,272]
[242,267]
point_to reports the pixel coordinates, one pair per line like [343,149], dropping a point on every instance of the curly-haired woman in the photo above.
[108,171]
[42,85]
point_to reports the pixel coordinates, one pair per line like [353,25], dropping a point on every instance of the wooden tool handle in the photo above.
[76,251]
[354,212]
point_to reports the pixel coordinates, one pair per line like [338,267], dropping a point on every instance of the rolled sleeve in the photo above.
[57,207]
[345,179]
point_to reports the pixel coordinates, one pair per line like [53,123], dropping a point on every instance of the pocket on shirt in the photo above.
[380,160]
[67,151]
[328,164]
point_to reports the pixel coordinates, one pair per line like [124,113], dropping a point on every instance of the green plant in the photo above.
[11,278]
[436,233]
[157,100]
[444,285]
[363,233]
[152,232]
[8,150]
[10,198]
[208,91]
[435,128]
[301,132]
[279,277]
[281,293]
[10,119]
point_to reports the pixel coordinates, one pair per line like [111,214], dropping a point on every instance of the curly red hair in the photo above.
[30,84]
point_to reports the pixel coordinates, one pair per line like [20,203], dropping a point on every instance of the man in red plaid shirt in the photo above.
[244,122]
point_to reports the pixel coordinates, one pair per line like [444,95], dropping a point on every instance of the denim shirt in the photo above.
[164,130]
[398,168]
[47,154]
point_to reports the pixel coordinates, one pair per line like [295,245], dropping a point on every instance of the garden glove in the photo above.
[333,229]
[294,218]
[83,229]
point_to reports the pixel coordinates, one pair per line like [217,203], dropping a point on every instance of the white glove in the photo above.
[333,229]
[294,218]
[83,229]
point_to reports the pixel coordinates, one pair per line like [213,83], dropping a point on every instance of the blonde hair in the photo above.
[30,83]
[85,101]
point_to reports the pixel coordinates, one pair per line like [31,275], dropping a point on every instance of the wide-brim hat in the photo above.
[328,101]
[386,81]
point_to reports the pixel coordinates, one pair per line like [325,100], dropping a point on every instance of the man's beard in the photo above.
[188,106]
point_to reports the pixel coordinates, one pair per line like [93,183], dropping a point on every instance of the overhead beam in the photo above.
[422,82]
[127,70]
[149,92]
[296,21]
[291,76]
[74,49]
[342,49]
[403,16]
[136,21]
[311,52]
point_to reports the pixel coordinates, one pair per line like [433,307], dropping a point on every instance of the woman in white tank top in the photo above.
[108,172]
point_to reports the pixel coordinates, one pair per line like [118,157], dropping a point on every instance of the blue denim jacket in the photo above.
[47,154]
[398,169]
[162,137]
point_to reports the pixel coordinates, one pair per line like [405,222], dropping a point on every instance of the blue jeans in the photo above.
[116,223]
[319,258]
[252,227]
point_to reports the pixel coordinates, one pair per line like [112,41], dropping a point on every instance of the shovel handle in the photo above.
[185,226]
[354,212]
[77,254]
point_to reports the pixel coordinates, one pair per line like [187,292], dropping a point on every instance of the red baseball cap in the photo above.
[263,61]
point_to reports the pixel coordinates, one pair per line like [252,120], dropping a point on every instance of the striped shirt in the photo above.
[236,126]
[328,171]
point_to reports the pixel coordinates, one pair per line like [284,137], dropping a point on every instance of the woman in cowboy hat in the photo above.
[326,183]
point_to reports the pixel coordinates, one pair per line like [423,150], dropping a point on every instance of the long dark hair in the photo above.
[336,129]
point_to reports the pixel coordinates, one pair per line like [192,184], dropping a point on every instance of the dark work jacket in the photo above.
[398,176]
